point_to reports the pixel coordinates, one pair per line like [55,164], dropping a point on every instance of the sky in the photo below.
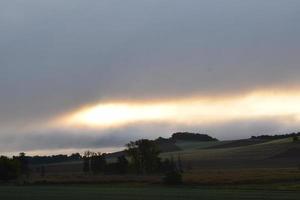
[77,75]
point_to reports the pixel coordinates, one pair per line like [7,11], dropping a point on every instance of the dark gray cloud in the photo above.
[53,140]
[57,55]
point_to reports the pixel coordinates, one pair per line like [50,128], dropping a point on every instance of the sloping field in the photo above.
[237,143]
[262,162]
[185,145]
[260,154]
[282,153]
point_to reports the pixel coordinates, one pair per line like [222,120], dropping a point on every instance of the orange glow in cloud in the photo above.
[196,110]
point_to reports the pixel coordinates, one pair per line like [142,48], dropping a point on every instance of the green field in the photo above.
[185,145]
[235,154]
[131,192]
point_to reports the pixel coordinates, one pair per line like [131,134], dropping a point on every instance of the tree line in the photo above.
[141,157]
[38,160]
[12,168]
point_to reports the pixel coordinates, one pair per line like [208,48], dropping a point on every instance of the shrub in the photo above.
[295,138]
[173,178]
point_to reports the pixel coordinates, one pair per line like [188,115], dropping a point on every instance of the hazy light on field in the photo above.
[196,110]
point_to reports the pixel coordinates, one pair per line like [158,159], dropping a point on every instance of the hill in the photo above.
[274,137]
[187,136]
[239,154]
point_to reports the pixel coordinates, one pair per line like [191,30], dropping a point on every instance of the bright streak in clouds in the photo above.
[121,113]
[189,111]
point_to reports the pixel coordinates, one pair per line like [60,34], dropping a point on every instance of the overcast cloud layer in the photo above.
[57,55]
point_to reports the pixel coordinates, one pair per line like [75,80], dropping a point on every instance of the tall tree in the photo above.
[144,156]
[23,159]
[9,168]
[87,161]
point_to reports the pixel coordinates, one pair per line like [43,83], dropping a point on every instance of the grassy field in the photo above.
[131,192]
[212,170]
[220,155]
[241,176]
[185,145]
[205,163]
[260,154]
[194,176]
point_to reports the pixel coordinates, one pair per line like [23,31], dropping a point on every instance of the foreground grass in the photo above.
[193,176]
[244,176]
[132,192]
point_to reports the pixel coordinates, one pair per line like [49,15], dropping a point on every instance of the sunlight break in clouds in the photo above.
[191,111]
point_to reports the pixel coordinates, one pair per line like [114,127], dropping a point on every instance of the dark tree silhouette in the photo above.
[94,162]
[43,171]
[122,165]
[9,168]
[23,159]
[179,164]
[98,162]
[172,173]
[144,156]
[87,161]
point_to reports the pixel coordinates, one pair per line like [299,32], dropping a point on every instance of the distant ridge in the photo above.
[187,136]
[273,137]
[168,144]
